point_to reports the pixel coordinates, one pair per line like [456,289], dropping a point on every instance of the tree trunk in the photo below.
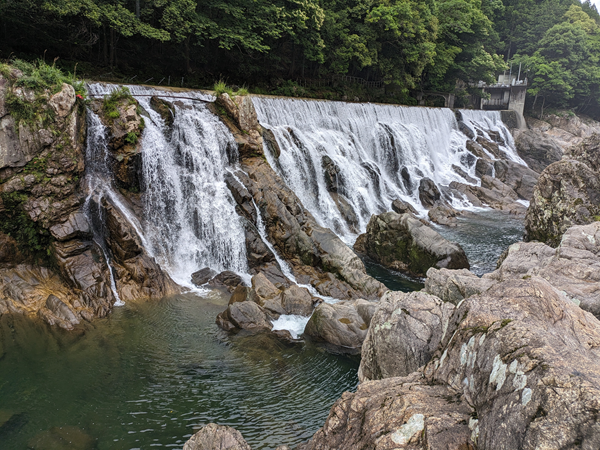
[543,103]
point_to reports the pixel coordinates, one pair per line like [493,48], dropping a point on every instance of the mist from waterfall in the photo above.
[379,154]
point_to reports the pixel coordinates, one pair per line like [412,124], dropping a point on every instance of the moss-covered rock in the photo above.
[567,194]
[404,243]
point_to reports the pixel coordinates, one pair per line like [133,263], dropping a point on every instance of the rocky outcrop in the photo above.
[342,325]
[400,207]
[403,243]
[493,193]
[455,285]
[510,354]
[567,193]
[316,254]
[121,114]
[503,376]
[396,413]
[520,179]
[404,334]
[216,437]
[429,193]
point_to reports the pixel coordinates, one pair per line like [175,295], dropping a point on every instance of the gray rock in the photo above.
[338,324]
[462,173]
[62,102]
[203,276]
[527,360]
[246,315]
[401,207]
[404,333]
[573,268]
[76,226]
[484,167]
[443,214]
[455,285]
[518,177]
[226,279]
[4,85]
[297,300]
[216,437]
[428,192]
[404,243]
[567,194]
[396,413]
[537,149]
[61,310]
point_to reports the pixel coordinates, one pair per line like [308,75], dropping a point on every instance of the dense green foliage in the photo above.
[292,45]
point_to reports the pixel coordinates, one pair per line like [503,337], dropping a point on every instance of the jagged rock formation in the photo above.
[51,265]
[216,437]
[404,243]
[316,255]
[503,376]
[567,193]
[573,268]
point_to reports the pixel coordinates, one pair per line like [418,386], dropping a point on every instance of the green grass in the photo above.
[220,87]
[110,102]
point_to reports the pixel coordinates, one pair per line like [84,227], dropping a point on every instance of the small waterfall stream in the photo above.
[378,153]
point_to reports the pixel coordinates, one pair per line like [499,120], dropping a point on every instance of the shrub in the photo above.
[110,102]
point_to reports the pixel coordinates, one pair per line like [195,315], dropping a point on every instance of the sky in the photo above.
[597,3]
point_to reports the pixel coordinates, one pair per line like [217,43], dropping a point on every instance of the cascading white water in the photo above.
[98,184]
[380,153]
[189,213]
[485,121]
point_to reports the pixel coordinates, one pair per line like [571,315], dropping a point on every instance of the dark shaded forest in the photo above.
[292,47]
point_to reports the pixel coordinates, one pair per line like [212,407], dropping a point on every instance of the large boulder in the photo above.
[567,193]
[397,413]
[343,325]
[573,268]
[527,360]
[404,243]
[537,149]
[216,437]
[404,333]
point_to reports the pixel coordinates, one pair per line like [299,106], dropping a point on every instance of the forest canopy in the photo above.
[403,45]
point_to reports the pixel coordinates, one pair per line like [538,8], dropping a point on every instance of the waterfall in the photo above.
[189,214]
[98,184]
[485,121]
[376,153]
[189,219]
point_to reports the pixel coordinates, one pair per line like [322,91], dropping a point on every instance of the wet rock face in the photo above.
[404,334]
[400,207]
[396,413]
[510,352]
[404,243]
[429,193]
[567,193]
[216,437]
[316,254]
[124,141]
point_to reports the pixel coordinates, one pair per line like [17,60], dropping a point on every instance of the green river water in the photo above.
[151,374]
